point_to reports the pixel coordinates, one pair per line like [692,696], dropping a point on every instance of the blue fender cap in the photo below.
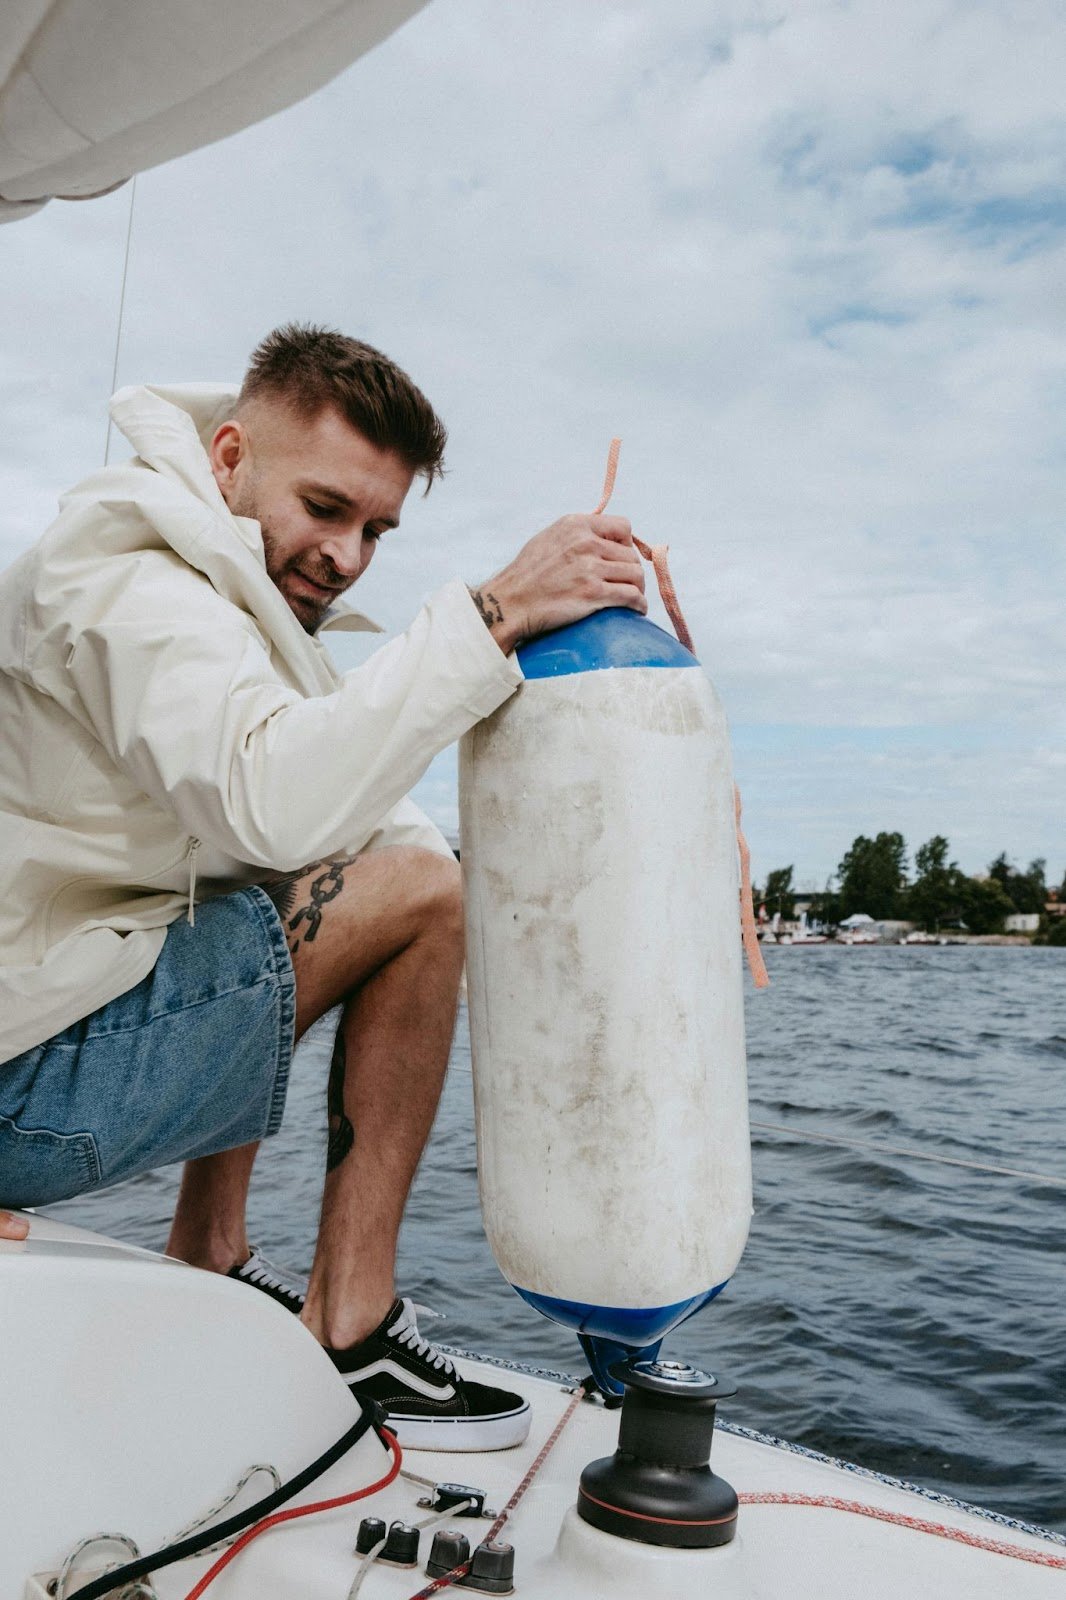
[609,1333]
[616,637]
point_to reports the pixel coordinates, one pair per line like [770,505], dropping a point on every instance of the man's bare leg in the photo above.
[383,934]
[209,1228]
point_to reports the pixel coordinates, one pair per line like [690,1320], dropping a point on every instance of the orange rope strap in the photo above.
[752,948]
[657,554]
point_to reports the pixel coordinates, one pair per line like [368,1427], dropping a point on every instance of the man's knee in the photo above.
[436,884]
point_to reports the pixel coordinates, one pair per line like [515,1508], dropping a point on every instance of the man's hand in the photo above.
[13,1227]
[579,565]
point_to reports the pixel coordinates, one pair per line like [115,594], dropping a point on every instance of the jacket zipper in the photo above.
[194,846]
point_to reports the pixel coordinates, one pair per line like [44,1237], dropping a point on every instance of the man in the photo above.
[207,844]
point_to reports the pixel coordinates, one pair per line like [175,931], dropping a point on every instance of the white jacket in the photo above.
[166,720]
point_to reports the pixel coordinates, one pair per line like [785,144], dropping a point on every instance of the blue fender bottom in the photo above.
[609,1334]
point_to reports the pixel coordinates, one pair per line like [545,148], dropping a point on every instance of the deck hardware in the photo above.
[401,1546]
[658,1487]
[446,1495]
[371,1532]
[449,1550]
[491,1569]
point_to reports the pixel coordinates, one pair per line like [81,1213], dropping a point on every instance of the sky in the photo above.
[807,259]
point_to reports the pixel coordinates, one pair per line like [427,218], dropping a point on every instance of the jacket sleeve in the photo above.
[185,699]
[406,824]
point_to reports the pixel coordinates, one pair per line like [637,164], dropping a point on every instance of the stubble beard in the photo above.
[307,611]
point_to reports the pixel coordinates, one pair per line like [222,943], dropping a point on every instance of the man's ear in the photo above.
[228,449]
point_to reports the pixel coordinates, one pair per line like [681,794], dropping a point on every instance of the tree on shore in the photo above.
[933,897]
[873,876]
[982,903]
[779,894]
[1027,891]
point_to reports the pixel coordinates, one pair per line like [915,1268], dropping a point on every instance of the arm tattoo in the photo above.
[341,1132]
[489,607]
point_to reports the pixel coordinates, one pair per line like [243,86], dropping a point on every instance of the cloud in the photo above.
[807,259]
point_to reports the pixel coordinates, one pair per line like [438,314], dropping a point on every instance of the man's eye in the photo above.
[321,511]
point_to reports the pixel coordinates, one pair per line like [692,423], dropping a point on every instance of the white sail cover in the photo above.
[92,91]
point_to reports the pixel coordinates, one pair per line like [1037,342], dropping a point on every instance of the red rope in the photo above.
[292,1512]
[900,1519]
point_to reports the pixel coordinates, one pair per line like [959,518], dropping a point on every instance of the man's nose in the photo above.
[345,552]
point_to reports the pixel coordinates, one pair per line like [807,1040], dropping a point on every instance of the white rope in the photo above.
[375,1550]
[221,1505]
[416,1477]
[880,1149]
[142,1589]
[121,310]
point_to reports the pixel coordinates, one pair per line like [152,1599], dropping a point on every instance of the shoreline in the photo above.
[1014,941]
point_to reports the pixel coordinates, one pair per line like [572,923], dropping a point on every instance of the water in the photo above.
[900,1314]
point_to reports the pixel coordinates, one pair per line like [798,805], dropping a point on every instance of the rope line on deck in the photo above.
[900,1519]
[448,1578]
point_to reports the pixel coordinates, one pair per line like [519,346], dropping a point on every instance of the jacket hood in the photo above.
[171,426]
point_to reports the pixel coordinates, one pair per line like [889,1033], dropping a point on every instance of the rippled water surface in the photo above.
[905,1315]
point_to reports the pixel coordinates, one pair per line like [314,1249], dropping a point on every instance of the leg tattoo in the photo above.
[282,891]
[326,887]
[341,1132]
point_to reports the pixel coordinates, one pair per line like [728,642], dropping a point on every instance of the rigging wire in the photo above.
[121,311]
[878,1148]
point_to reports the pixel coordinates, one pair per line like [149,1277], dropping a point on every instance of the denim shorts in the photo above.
[192,1061]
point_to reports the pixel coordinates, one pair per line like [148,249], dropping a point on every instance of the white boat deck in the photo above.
[140,1390]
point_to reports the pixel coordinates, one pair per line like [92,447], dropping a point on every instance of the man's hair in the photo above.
[312,369]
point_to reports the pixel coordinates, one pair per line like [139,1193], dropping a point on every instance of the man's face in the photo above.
[322,494]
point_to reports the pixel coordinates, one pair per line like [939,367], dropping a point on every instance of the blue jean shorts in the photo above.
[192,1061]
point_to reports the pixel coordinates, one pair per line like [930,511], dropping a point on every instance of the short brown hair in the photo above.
[313,368]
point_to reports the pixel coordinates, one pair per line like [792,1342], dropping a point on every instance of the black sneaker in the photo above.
[430,1406]
[280,1286]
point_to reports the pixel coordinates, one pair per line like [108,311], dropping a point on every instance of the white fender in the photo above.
[604,969]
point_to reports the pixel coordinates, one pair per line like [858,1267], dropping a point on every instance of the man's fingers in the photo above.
[616,528]
[13,1227]
[625,594]
[621,564]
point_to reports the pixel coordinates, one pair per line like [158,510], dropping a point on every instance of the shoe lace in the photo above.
[258,1272]
[405,1331]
